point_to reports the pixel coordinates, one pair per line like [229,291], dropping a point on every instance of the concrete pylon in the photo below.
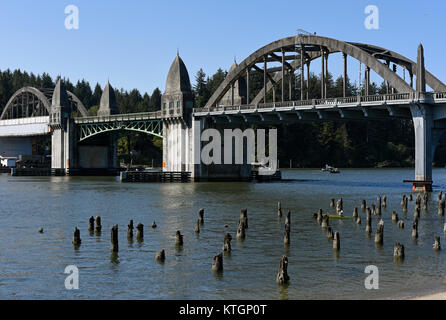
[177,104]
[237,94]
[108,105]
[421,71]
[62,128]
[422,115]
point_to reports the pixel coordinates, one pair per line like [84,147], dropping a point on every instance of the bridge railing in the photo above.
[120,117]
[407,96]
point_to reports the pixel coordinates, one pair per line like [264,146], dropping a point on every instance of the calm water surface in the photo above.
[32,264]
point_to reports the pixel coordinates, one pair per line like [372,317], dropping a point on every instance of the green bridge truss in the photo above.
[149,123]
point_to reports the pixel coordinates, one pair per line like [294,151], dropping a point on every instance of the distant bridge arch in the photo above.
[32,102]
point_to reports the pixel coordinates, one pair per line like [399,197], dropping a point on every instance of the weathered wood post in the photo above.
[336,241]
[241,232]
[363,205]
[436,245]
[197,227]
[339,206]
[282,275]
[373,209]
[154,224]
[201,216]
[114,245]
[358,220]
[440,196]
[286,235]
[394,216]
[91,224]
[410,197]
[288,217]
[98,227]
[384,201]
[355,213]
[444,228]
[160,256]
[401,224]
[415,229]
[330,233]
[76,237]
[140,232]
[279,209]
[244,218]
[398,251]
[319,216]
[417,212]
[227,242]
[325,221]
[404,203]
[332,203]
[441,206]
[217,263]
[130,230]
[425,200]
[379,235]
[178,238]
[368,222]
[378,205]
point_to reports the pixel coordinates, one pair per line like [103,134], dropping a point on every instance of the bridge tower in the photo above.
[62,144]
[237,94]
[427,135]
[176,106]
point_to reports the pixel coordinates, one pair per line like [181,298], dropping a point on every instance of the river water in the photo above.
[32,264]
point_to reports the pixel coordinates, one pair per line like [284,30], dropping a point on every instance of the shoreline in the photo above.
[432,296]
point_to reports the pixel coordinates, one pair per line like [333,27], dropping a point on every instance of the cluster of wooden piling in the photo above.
[421,201]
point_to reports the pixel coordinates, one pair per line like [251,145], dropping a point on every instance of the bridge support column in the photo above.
[62,146]
[424,146]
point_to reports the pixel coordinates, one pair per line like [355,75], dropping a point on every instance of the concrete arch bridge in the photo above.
[236,104]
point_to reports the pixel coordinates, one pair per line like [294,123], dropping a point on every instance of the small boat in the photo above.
[330,169]
[335,170]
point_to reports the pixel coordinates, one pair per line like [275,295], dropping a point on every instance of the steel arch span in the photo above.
[311,47]
[32,102]
[151,127]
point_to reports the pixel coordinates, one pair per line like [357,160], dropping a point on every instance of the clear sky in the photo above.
[133,42]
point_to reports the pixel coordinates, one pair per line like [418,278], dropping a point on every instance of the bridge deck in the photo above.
[360,103]
[23,127]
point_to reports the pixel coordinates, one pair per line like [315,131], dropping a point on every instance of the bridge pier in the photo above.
[62,126]
[424,146]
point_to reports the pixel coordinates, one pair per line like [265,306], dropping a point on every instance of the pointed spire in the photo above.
[60,97]
[178,80]
[421,71]
[108,105]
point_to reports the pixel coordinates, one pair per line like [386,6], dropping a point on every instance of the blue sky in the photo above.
[133,43]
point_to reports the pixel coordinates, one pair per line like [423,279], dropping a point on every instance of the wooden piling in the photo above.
[114,245]
[282,275]
[140,232]
[217,263]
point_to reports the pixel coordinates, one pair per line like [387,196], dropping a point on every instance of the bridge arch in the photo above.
[367,54]
[32,102]
[150,127]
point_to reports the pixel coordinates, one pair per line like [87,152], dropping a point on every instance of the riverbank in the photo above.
[435,296]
